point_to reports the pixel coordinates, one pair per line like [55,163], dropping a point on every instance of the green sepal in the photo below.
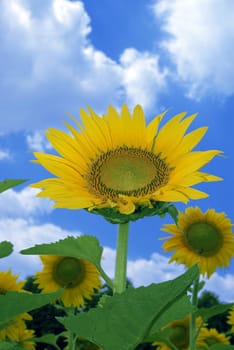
[9,183]
[221,347]
[115,217]
[6,248]
[150,308]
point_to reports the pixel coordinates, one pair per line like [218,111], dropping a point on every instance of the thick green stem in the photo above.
[121,259]
[193,331]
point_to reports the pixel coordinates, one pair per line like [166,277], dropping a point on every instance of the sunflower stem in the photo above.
[192,335]
[121,259]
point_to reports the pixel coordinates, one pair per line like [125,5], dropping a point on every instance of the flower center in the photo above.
[69,272]
[179,337]
[204,238]
[127,171]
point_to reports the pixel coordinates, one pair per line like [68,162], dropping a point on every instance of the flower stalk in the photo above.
[192,328]
[121,259]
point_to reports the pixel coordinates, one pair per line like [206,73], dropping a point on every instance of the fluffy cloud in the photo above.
[199,43]
[23,233]
[48,66]
[142,77]
[36,141]
[23,203]
[4,154]
[143,272]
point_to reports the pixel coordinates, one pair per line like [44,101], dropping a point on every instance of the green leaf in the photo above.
[6,248]
[221,347]
[13,304]
[126,320]
[49,338]
[8,183]
[206,313]
[9,345]
[84,247]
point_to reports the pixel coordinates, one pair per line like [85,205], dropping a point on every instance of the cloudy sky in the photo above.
[58,56]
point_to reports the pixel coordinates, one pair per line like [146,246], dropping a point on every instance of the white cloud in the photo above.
[23,233]
[5,154]
[156,269]
[37,142]
[143,79]
[58,70]
[23,203]
[201,33]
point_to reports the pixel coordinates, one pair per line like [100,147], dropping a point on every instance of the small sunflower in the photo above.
[179,336]
[8,282]
[208,337]
[203,238]
[79,278]
[118,163]
[231,319]
[22,336]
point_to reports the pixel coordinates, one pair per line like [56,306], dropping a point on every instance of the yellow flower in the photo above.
[208,337]
[203,238]
[8,282]
[118,162]
[179,333]
[231,319]
[79,278]
[22,336]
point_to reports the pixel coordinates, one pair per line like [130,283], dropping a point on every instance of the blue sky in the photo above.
[58,56]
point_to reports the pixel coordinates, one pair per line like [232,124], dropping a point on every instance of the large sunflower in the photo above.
[118,162]
[209,337]
[203,238]
[79,278]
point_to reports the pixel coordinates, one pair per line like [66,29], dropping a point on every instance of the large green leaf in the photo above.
[13,304]
[8,183]
[221,347]
[6,248]
[84,247]
[206,313]
[49,338]
[125,320]
[8,345]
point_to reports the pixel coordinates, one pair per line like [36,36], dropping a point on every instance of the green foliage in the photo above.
[213,311]
[13,304]
[6,248]
[84,247]
[5,345]
[8,183]
[221,347]
[110,326]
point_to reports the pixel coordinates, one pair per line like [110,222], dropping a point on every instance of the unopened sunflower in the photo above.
[209,337]
[203,238]
[117,163]
[80,278]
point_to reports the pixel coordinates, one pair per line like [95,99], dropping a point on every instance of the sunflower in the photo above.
[8,282]
[179,334]
[118,163]
[22,336]
[203,238]
[208,337]
[231,319]
[79,278]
